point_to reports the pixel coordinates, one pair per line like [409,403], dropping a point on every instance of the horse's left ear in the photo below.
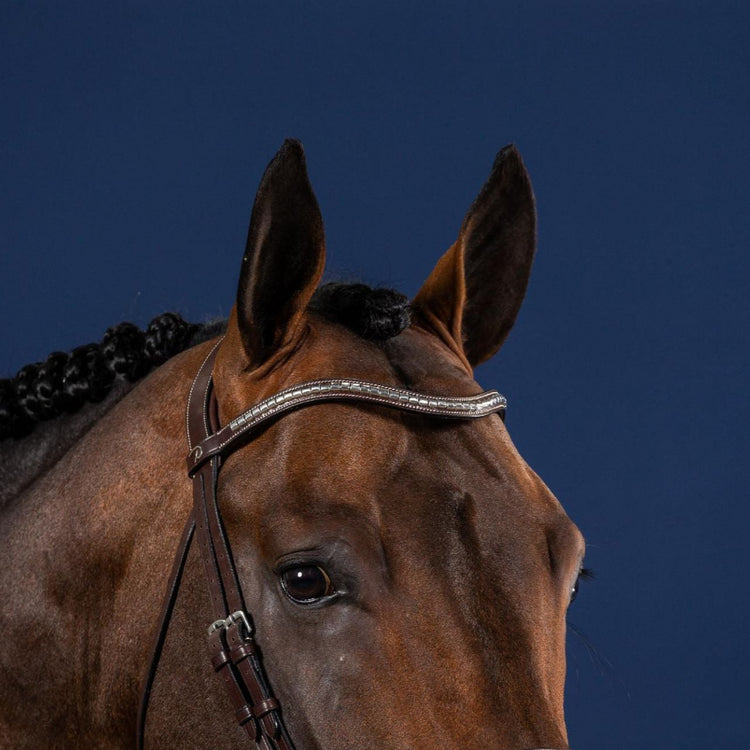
[284,257]
[473,295]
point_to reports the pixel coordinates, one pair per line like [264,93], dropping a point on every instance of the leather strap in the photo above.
[175,577]
[231,644]
[315,391]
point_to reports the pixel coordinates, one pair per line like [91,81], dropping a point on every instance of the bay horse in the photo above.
[376,565]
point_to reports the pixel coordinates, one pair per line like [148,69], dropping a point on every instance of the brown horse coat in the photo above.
[450,562]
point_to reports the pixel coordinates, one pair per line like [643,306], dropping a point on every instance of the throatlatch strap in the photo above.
[170,597]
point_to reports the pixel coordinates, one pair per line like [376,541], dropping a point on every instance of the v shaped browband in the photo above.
[334,389]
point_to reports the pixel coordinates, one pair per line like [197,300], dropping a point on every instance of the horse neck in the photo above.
[94,537]
[25,460]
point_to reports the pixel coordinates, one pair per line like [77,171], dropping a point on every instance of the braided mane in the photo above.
[66,381]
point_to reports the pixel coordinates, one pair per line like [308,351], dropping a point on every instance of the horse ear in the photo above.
[284,257]
[473,295]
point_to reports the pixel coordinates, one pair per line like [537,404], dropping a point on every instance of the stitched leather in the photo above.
[335,389]
[231,644]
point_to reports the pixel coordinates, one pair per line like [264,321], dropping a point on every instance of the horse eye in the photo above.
[306,584]
[574,590]
[583,575]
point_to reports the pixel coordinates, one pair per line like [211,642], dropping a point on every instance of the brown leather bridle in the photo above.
[231,644]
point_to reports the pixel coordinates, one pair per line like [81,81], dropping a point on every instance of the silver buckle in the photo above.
[238,616]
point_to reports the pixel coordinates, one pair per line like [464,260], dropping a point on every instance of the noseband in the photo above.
[231,643]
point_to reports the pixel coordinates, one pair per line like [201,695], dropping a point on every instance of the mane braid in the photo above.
[64,382]
[373,314]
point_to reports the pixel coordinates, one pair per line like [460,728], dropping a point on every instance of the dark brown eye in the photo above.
[306,584]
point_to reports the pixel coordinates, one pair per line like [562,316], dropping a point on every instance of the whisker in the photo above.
[604,666]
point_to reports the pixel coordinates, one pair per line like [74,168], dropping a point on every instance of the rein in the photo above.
[231,644]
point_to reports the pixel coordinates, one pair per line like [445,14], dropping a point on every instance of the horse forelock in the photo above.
[373,314]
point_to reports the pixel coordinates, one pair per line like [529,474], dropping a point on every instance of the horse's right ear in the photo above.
[473,295]
[284,257]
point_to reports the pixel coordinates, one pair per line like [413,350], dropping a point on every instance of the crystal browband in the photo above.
[463,407]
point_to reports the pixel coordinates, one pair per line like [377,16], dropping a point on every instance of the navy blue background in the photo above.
[133,136]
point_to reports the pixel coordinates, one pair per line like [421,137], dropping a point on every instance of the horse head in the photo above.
[408,577]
